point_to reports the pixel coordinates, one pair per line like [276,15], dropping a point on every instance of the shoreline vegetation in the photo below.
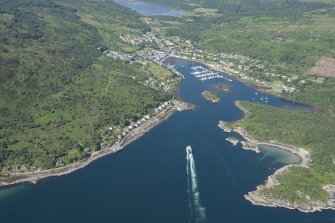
[311,90]
[257,86]
[35,176]
[264,89]
[209,96]
[223,87]
[256,197]
[226,88]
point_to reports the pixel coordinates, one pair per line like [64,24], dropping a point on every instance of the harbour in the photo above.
[148,182]
[204,74]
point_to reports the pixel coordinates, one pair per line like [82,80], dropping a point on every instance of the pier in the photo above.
[204,74]
[173,69]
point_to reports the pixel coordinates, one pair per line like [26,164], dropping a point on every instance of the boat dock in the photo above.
[174,70]
[203,74]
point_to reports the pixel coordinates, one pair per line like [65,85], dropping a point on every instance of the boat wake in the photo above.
[198,212]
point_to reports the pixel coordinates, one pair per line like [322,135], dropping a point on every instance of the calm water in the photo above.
[278,155]
[148,181]
[150,9]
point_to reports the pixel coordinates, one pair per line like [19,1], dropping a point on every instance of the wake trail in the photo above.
[188,189]
[199,210]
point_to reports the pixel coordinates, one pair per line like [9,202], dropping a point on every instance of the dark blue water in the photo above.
[150,9]
[147,182]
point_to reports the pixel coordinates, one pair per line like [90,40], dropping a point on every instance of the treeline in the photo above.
[320,94]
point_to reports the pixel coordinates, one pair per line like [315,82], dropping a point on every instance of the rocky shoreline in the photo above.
[251,144]
[232,141]
[211,97]
[258,199]
[255,197]
[34,177]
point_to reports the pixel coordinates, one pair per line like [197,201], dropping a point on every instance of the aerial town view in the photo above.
[167,111]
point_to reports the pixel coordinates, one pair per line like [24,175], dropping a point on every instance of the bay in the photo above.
[148,182]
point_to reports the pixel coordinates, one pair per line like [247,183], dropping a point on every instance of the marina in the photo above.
[174,70]
[204,74]
[155,180]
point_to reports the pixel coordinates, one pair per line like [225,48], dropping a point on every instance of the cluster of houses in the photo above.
[19,168]
[133,40]
[289,89]
[163,106]
[140,122]
[139,56]
[152,54]
[119,55]
[230,63]
[237,65]
[148,37]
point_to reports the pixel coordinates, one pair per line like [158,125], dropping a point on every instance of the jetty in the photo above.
[173,69]
[204,74]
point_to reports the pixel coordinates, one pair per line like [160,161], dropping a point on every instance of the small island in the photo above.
[210,97]
[232,140]
[223,87]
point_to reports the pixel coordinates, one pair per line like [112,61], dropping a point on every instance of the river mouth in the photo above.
[150,9]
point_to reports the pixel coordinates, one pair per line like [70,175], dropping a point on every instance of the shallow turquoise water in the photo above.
[278,155]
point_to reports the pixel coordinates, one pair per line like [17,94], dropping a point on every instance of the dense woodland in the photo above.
[307,129]
[58,92]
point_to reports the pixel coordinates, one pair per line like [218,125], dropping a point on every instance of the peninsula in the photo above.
[274,191]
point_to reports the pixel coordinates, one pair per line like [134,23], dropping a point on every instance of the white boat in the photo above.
[189,150]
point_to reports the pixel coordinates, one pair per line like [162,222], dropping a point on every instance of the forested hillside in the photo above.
[58,92]
[310,130]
